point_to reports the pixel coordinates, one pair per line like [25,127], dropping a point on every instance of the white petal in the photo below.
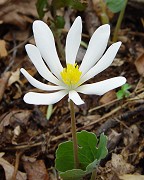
[44,99]
[74,96]
[102,87]
[45,42]
[38,84]
[103,63]
[96,47]
[38,62]
[73,41]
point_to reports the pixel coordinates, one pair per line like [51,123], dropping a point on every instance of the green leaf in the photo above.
[115,5]
[41,5]
[59,22]
[120,94]
[77,5]
[126,86]
[123,92]
[78,174]
[64,156]
[87,148]
[74,174]
[90,152]
[102,147]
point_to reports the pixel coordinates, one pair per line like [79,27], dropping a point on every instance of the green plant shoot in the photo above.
[123,92]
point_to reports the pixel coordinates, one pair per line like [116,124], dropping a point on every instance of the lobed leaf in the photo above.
[90,153]
[41,5]
[77,5]
[115,5]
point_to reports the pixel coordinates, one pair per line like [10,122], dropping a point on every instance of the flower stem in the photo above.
[74,136]
[59,44]
[103,15]
[93,176]
[57,33]
[120,18]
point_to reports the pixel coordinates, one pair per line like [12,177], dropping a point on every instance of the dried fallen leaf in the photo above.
[36,170]
[28,158]
[2,2]
[131,135]
[117,62]
[120,165]
[3,83]
[18,13]
[3,51]
[16,132]
[123,38]
[18,92]
[139,63]
[15,77]
[108,97]
[19,117]
[114,138]
[132,177]
[17,34]
[9,169]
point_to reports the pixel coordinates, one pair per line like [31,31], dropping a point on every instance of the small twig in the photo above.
[136,33]
[118,100]
[104,127]
[18,156]
[112,122]
[33,144]
[140,80]
[103,105]
[108,124]
[13,56]
[26,146]
[120,122]
[107,115]
[21,44]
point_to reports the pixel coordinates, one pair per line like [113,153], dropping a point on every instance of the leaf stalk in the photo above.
[74,135]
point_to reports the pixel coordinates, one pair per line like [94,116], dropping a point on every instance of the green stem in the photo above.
[74,136]
[118,25]
[93,176]
[57,34]
[59,44]
[103,15]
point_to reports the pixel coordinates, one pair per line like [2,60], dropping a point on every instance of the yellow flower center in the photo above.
[71,74]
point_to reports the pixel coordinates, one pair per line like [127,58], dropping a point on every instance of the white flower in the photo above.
[69,80]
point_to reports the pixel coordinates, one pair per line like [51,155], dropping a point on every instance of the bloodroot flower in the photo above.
[69,80]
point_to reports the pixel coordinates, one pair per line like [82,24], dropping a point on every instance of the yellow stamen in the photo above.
[71,74]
